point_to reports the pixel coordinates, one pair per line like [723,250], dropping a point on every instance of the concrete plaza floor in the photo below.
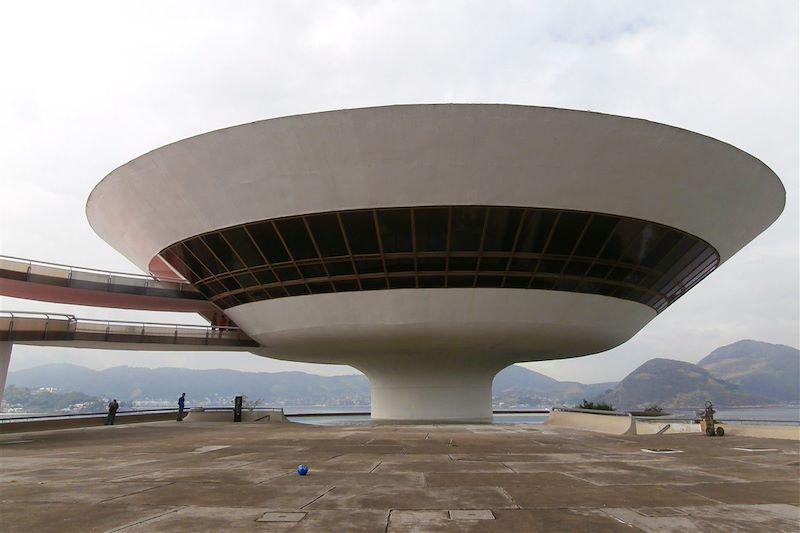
[225,477]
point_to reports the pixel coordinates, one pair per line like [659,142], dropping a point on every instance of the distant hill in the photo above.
[202,386]
[517,383]
[514,385]
[676,384]
[760,368]
[744,373]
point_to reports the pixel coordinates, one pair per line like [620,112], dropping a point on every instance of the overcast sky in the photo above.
[87,86]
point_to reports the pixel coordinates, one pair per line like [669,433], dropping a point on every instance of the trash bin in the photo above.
[237,409]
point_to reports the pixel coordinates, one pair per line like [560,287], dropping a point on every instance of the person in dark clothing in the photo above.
[112,412]
[181,403]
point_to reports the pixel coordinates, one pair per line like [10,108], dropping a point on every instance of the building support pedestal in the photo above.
[428,392]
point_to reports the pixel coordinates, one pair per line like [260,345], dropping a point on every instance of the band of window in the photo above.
[441,247]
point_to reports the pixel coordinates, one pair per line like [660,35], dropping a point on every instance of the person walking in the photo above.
[181,403]
[112,412]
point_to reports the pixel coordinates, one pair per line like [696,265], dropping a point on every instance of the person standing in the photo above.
[181,403]
[112,412]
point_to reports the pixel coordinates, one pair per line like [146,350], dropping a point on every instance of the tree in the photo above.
[599,406]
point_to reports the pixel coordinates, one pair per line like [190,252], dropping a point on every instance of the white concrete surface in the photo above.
[431,354]
[5,359]
[451,154]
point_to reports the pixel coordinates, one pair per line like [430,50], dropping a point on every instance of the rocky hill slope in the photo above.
[760,368]
[676,384]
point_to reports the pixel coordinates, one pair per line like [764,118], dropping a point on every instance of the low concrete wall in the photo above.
[766,432]
[761,431]
[651,428]
[78,422]
[593,421]
[227,416]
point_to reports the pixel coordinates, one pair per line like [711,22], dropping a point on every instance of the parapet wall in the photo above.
[199,415]
[602,422]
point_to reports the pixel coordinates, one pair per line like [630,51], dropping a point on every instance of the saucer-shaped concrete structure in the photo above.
[430,246]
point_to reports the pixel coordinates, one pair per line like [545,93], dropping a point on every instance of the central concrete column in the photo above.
[423,391]
[5,359]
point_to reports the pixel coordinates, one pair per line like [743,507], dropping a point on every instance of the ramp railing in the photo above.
[28,270]
[22,327]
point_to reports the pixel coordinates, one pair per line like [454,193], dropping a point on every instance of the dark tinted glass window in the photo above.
[517,282]
[246,279]
[460,246]
[345,285]
[316,270]
[327,235]
[277,292]
[205,256]
[339,268]
[173,257]
[268,242]
[522,264]
[501,229]
[431,282]
[360,229]
[193,261]
[296,237]
[466,228]
[460,281]
[265,276]
[296,290]
[535,230]
[431,263]
[369,266]
[241,242]
[373,284]
[230,284]
[402,283]
[430,229]
[223,251]
[400,264]
[595,236]
[489,281]
[567,232]
[395,228]
[288,273]
[497,264]
[462,263]
[320,287]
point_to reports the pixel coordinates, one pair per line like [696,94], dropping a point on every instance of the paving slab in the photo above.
[150,477]
[770,517]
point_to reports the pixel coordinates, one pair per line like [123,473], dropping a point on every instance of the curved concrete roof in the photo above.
[453,154]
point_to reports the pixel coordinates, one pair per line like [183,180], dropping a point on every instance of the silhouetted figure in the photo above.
[181,403]
[112,412]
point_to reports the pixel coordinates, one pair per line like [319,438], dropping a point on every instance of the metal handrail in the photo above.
[33,314]
[72,318]
[129,412]
[71,268]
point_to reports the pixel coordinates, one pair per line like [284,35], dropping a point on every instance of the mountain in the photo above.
[216,387]
[514,385]
[676,384]
[760,368]
[518,384]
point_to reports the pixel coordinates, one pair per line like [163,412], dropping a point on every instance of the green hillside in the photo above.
[676,384]
[760,368]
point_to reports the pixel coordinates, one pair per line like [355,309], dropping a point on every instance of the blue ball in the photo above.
[302,470]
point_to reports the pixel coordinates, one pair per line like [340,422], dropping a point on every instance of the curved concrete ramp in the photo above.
[600,421]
